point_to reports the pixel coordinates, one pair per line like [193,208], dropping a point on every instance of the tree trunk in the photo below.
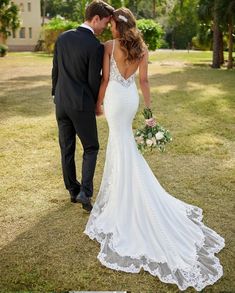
[3,39]
[221,53]
[216,39]
[230,44]
[154,8]
[44,11]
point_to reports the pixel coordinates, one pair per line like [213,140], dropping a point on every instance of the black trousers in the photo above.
[83,124]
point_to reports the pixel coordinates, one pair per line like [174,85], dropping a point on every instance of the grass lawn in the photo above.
[43,247]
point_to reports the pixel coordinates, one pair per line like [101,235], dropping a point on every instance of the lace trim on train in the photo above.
[196,275]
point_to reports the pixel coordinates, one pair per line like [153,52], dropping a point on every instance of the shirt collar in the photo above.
[88,27]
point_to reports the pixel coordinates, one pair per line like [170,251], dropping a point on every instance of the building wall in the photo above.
[27,35]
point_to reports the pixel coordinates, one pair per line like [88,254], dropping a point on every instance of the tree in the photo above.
[154,8]
[216,36]
[222,16]
[132,5]
[69,9]
[182,24]
[44,7]
[9,19]
[227,8]
[116,3]
[209,14]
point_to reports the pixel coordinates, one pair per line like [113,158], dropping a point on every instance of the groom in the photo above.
[77,64]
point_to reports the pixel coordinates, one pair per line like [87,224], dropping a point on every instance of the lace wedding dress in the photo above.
[137,223]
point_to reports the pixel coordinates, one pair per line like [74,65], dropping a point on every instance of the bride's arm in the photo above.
[143,80]
[105,76]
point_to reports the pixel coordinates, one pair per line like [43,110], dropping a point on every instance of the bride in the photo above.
[137,223]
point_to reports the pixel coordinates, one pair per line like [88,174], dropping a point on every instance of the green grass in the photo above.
[42,244]
[197,57]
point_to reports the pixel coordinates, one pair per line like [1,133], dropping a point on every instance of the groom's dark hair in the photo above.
[98,7]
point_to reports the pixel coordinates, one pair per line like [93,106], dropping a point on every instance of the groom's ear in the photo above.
[96,19]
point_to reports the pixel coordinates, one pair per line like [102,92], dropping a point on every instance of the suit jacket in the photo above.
[77,63]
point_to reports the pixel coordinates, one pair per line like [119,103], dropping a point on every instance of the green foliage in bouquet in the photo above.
[150,137]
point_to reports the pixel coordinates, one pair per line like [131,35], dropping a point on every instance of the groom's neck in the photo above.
[89,23]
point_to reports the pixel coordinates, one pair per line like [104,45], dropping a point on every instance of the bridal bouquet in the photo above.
[152,135]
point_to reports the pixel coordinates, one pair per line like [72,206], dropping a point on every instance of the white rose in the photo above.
[154,140]
[149,142]
[159,135]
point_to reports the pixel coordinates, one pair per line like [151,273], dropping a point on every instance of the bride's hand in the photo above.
[151,122]
[98,110]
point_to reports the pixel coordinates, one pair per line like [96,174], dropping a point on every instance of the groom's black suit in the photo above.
[77,63]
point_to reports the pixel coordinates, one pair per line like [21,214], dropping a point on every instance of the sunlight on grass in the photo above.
[43,247]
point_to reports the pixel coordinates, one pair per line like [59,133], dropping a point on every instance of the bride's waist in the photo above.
[117,88]
[123,83]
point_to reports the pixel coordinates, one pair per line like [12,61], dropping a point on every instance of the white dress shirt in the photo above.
[88,27]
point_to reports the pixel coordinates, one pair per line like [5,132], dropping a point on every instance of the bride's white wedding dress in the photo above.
[138,224]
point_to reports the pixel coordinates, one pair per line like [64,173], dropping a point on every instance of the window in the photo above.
[22,7]
[29,6]
[22,33]
[30,33]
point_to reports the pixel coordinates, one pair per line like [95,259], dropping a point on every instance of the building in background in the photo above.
[27,36]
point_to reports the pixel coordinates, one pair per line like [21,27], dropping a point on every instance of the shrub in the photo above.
[197,45]
[53,29]
[3,50]
[152,33]
[105,36]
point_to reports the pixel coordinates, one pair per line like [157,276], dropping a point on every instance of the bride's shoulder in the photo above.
[108,45]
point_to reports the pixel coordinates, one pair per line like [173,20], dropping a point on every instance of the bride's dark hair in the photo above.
[130,39]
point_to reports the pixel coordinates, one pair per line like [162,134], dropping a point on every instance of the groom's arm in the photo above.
[95,66]
[54,74]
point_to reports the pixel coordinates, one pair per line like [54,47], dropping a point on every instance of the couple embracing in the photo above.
[137,223]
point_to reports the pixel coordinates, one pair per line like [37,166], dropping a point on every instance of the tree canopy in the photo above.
[9,19]
[203,24]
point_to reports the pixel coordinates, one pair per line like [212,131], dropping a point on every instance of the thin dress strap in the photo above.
[113,47]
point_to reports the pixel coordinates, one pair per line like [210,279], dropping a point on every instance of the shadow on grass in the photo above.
[197,106]
[23,79]
[200,65]
[26,96]
[43,54]
[56,255]
[188,85]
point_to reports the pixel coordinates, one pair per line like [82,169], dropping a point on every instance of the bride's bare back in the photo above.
[125,68]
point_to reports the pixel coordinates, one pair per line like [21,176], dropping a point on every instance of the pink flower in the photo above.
[150,122]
